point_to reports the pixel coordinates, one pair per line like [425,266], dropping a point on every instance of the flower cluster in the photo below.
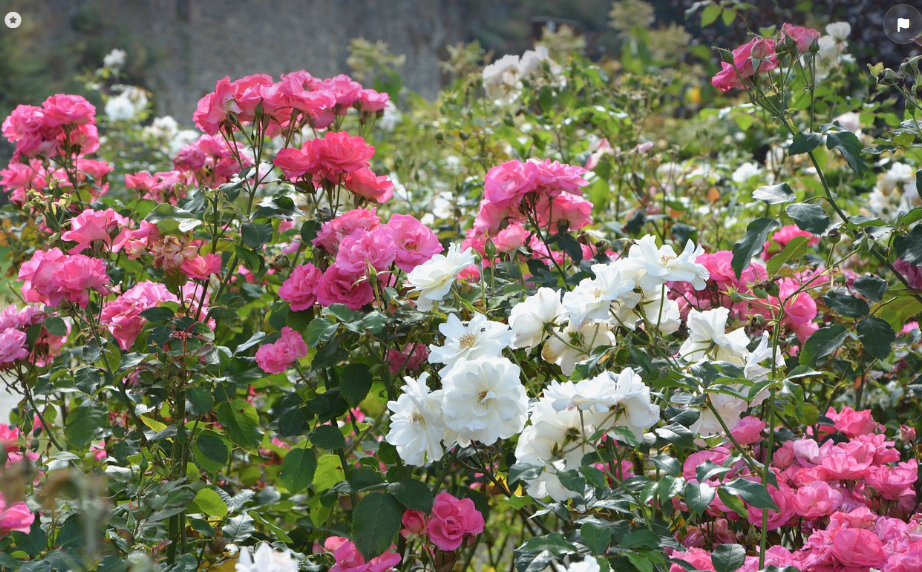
[51,277]
[453,522]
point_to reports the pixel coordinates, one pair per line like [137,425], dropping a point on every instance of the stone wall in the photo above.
[187,45]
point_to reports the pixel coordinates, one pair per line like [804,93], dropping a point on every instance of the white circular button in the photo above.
[12,20]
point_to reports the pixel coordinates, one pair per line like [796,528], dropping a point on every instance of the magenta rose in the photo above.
[453,521]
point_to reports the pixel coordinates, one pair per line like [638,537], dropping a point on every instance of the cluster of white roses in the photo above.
[625,292]
[502,80]
[482,397]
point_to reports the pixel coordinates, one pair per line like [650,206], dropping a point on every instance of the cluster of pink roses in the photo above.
[14,324]
[209,161]
[850,493]
[451,523]
[20,178]
[349,559]
[52,276]
[123,315]
[278,357]
[759,56]
[547,193]
[298,99]
[337,158]
[357,242]
[13,516]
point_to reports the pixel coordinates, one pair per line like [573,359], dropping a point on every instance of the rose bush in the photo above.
[542,323]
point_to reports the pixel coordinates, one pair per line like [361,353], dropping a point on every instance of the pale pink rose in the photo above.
[298,87]
[64,109]
[342,153]
[758,48]
[414,524]
[803,37]
[409,359]
[574,210]
[453,521]
[491,217]
[370,101]
[201,267]
[12,346]
[907,433]
[343,89]
[14,518]
[363,248]
[857,548]
[748,430]
[894,483]
[84,139]
[365,183]
[555,177]
[510,238]
[337,286]
[300,288]
[415,243]
[91,226]
[334,231]
[278,357]
[850,461]
[816,499]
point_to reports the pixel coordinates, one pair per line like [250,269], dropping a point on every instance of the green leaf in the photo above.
[909,246]
[710,14]
[523,472]
[84,424]
[726,16]
[804,143]
[200,399]
[256,235]
[756,494]
[328,437]
[699,496]
[239,528]
[329,472]
[774,194]
[309,231]
[158,314]
[172,220]
[320,330]
[241,422]
[897,312]
[211,452]
[211,503]
[809,217]
[596,537]
[877,337]
[728,557]
[733,502]
[822,343]
[793,250]
[375,522]
[554,543]
[847,305]
[571,480]
[871,287]
[751,244]
[56,326]
[412,494]
[355,383]
[850,146]
[298,468]
[251,259]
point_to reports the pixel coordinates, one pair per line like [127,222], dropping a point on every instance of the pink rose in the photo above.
[911,272]
[816,499]
[212,109]
[333,232]
[572,209]
[365,183]
[555,177]
[413,241]
[342,153]
[343,89]
[201,267]
[16,517]
[697,558]
[757,48]
[848,462]
[348,558]
[296,163]
[12,346]
[76,276]
[64,109]
[894,483]
[248,94]
[412,356]
[507,184]
[337,286]
[363,248]
[510,238]
[123,315]
[370,101]
[783,497]
[36,275]
[91,226]
[278,357]
[858,548]
[190,158]
[782,237]
[491,218]
[414,524]
[748,430]
[453,521]
[853,423]
[803,37]
[24,121]
[300,288]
